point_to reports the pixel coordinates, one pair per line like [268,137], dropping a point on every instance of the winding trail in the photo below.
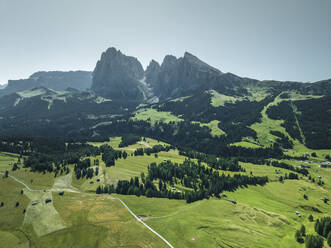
[130,211]
[19,181]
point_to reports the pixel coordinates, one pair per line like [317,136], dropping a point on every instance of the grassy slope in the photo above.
[72,220]
[246,144]
[153,115]
[263,217]
[97,221]
[6,158]
[219,99]
[264,127]
[213,125]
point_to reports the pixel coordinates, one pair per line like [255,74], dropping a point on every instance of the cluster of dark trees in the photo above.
[154,149]
[315,125]
[323,227]
[227,164]
[82,169]
[186,135]
[243,113]
[290,176]
[283,165]
[109,155]
[157,149]
[282,139]
[129,139]
[203,182]
[284,111]
[57,161]
[314,241]
[25,145]
[300,234]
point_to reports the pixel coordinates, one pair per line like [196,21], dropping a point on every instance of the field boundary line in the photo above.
[138,219]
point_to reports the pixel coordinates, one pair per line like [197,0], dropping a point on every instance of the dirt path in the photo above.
[46,219]
[138,219]
[63,183]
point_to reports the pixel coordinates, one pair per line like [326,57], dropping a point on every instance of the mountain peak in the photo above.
[194,60]
[116,76]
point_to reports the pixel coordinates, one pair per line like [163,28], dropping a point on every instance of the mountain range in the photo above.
[80,103]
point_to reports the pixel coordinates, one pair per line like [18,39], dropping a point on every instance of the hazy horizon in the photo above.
[280,40]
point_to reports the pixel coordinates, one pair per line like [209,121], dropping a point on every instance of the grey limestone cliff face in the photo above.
[117,76]
[152,73]
[179,76]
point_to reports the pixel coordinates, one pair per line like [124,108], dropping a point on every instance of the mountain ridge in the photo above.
[57,80]
[181,89]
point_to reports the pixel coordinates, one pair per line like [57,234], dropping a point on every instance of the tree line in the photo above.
[203,182]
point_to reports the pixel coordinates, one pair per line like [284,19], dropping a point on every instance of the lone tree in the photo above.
[17,204]
[6,173]
[298,237]
[303,230]
[99,190]
[1,204]
[310,218]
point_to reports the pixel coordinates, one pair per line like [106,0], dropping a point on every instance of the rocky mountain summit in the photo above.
[118,76]
[122,77]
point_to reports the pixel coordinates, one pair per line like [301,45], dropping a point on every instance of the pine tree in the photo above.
[99,190]
[303,230]
[298,236]
[311,218]
[314,241]
[329,239]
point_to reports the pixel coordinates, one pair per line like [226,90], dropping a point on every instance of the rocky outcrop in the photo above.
[56,80]
[118,77]
[187,75]
[152,73]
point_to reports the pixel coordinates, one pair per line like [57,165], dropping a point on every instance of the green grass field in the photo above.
[264,216]
[213,125]
[218,100]
[153,116]
[246,144]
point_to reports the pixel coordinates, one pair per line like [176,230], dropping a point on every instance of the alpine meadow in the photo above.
[177,153]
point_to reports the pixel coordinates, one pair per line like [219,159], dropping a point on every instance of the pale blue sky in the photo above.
[264,39]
